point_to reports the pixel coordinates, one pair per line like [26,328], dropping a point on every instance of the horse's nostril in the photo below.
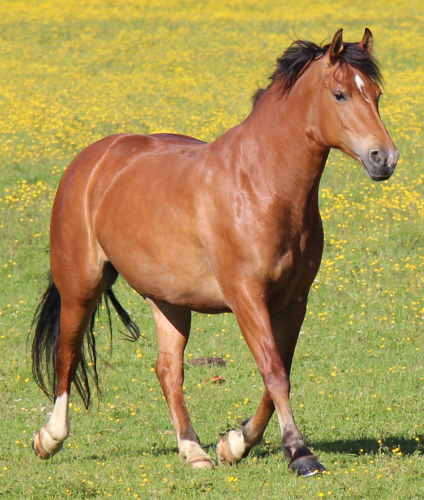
[376,157]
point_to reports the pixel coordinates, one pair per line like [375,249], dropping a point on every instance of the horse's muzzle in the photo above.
[380,163]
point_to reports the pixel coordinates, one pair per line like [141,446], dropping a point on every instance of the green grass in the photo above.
[74,72]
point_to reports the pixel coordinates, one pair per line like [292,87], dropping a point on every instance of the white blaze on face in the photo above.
[359,83]
[361,86]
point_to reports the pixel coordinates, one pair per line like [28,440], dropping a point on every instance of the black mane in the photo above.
[301,54]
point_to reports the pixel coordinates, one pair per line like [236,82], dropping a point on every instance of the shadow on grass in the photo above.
[371,446]
[367,446]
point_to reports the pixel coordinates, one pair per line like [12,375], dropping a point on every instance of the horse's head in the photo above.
[349,116]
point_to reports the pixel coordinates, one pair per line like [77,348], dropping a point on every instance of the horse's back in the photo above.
[93,170]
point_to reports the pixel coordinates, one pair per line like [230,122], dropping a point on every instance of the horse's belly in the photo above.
[163,267]
[197,292]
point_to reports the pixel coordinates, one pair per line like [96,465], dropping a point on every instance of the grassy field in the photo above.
[74,71]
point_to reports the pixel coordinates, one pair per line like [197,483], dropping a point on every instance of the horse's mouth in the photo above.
[380,164]
[378,178]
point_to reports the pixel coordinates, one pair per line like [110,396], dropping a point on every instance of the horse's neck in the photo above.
[276,141]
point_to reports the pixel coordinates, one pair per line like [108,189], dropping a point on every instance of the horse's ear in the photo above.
[336,47]
[366,42]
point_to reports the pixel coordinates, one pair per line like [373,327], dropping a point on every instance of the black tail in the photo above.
[44,354]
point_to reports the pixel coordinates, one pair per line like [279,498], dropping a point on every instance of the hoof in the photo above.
[38,449]
[41,453]
[193,455]
[203,463]
[306,466]
[224,455]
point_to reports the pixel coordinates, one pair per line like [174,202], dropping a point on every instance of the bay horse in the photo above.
[232,225]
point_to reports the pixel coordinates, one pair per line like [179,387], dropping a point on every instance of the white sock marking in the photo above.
[237,446]
[58,424]
[190,452]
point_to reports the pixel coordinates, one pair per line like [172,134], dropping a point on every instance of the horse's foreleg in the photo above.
[173,325]
[272,344]
[286,326]
[74,320]
[236,445]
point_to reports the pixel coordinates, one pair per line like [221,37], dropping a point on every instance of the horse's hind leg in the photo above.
[78,302]
[74,320]
[173,326]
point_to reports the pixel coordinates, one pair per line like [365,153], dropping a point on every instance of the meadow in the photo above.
[74,71]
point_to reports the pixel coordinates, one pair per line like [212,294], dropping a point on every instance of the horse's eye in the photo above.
[340,96]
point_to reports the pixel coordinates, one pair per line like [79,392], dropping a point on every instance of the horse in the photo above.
[227,226]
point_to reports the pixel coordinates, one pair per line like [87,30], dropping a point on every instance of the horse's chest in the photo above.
[288,267]
[292,274]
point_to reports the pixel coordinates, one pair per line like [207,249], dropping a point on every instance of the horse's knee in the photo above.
[277,383]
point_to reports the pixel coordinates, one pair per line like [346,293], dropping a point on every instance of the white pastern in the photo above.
[361,86]
[237,445]
[190,452]
[58,424]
